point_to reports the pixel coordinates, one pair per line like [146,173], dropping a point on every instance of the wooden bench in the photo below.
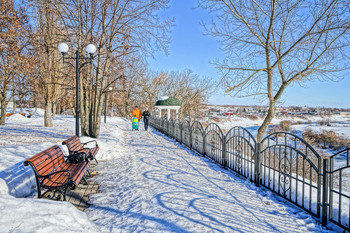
[53,174]
[74,145]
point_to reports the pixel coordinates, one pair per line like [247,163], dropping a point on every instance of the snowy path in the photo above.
[156,185]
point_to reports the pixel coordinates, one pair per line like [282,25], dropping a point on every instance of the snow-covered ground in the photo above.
[148,183]
[340,124]
[229,122]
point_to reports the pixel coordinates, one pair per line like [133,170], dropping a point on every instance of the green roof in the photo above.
[171,101]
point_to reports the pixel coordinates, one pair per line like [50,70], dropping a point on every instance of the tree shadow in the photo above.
[20,180]
[167,225]
[214,205]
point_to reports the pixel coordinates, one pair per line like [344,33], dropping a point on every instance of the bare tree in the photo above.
[188,87]
[119,29]
[49,79]
[14,60]
[134,73]
[272,44]
[191,89]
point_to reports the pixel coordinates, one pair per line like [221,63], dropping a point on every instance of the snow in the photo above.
[148,183]
[164,98]
[229,122]
[339,123]
[341,129]
[40,215]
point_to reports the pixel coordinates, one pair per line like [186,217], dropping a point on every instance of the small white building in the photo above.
[168,107]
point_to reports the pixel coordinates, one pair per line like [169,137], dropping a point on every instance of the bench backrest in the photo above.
[73,143]
[47,161]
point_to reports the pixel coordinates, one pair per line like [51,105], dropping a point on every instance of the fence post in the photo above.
[181,132]
[257,164]
[173,129]
[191,137]
[224,158]
[169,128]
[204,139]
[325,193]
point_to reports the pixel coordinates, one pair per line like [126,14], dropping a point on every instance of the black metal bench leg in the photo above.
[64,194]
[89,173]
[85,180]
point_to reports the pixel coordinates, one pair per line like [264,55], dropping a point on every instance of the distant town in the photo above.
[259,111]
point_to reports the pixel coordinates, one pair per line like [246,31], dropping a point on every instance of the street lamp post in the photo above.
[91,49]
[110,89]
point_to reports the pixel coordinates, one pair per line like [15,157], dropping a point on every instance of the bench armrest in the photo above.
[85,143]
[51,174]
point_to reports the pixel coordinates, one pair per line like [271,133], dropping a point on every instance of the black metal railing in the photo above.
[240,148]
[338,186]
[291,168]
[283,162]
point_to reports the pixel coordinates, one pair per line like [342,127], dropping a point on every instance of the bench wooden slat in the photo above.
[50,153]
[47,160]
[73,143]
[80,171]
[46,167]
[77,172]
[57,180]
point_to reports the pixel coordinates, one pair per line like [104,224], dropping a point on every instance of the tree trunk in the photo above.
[85,112]
[97,126]
[91,117]
[35,105]
[111,110]
[59,109]
[13,105]
[97,116]
[3,112]
[266,123]
[48,115]
[21,106]
[73,111]
[54,108]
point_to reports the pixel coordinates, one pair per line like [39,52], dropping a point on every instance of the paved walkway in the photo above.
[158,185]
[80,196]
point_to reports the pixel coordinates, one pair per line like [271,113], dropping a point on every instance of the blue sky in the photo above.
[191,49]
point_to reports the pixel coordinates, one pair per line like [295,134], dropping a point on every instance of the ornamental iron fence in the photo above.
[282,162]
[339,188]
[291,168]
[213,142]
[197,137]
[240,152]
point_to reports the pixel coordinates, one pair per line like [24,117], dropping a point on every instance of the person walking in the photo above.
[136,113]
[146,116]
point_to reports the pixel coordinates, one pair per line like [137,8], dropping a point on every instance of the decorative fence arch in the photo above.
[339,189]
[186,133]
[213,142]
[177,130]
[163,125]
[172,128]
[240,149]
[197,137]
[291,168]
[283,162]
